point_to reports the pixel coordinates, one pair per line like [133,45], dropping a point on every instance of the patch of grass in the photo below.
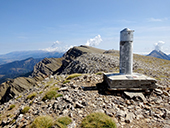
[42,122]
[66,81]
[25,109]
[49,95]
[73,76]
[59,95]
[62,122]
[11,115]
[18,97]
[54,88]
[12,106]
[46,86]
[31,102]
[98,120]
[13,121]
[99,73]
[41,92]
[32,95]
[55,83]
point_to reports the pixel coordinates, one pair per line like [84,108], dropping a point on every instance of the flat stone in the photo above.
[120,113]
[158,91]
[135,94]
[63,89]
[129,117]
[166,93]
[78,105]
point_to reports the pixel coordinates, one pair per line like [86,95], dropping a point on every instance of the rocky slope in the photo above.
[43,69]
[85,94]
[46,67]
[14,87]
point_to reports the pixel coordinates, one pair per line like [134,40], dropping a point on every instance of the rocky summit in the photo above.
[78,90]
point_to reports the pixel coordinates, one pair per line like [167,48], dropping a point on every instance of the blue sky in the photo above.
[37,24]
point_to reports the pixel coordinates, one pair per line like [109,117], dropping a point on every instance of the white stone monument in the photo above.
[126,51]
[126,79]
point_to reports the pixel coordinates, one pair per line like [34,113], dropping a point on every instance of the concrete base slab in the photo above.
[135,81]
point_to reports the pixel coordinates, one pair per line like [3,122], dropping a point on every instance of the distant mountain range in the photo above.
[159,54]
[17,68]
[15,64]
[20,55]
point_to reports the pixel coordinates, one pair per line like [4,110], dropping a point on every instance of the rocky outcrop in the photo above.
[75,52]
[46,67]
[9,89]
[92,63]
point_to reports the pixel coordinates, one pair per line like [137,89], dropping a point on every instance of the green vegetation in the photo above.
[59,95]
[66,81]
[32,95]
[54,88]
[55,83]
[43,122]
[18,97]
[13,121]
[41,92]
[12,106]
[99,73]
[48,122]
[25,110]
[98,120]
[49,95]
[46,86]
[73,76]
[30,103]
[62,122]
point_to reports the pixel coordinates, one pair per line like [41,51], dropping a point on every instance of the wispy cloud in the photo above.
[158,46]
[94,41]
[58,49]
[58,46]
[55,44]
[157,19]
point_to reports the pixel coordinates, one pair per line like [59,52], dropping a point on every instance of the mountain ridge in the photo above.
[85,59]
[159,54]
[83,93]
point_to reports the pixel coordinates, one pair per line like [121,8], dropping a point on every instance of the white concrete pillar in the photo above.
[126,51]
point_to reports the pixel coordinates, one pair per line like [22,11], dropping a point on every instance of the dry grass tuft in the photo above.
[73,76]
[98,120]
[43,122]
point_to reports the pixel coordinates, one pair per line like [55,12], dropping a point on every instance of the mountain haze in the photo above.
[21,55]
[17,68]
